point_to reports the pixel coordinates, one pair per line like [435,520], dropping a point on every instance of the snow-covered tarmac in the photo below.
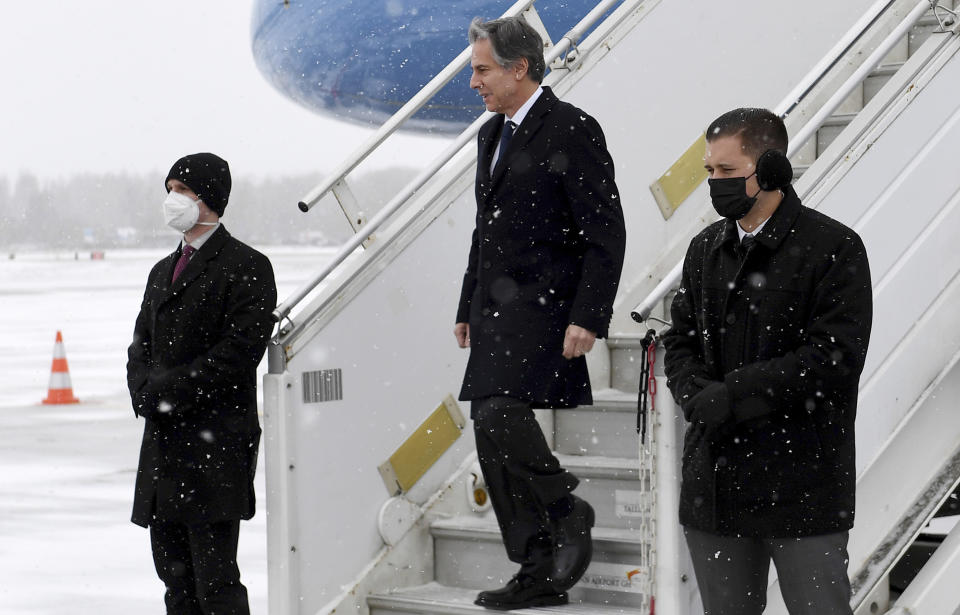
[67,472]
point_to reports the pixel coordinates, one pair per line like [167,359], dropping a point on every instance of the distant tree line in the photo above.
[100,211]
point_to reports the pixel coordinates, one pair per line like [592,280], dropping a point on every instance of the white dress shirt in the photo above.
[202,239]
[755,232]
[516,119]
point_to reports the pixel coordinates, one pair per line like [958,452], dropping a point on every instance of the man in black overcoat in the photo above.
[770,331]
[541,279]
[201,332]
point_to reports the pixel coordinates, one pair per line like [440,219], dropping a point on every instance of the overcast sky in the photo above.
[102,86]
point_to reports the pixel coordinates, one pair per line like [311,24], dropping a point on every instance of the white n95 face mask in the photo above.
[181,213]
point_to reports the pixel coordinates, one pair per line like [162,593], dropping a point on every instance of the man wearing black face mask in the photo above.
[770,331]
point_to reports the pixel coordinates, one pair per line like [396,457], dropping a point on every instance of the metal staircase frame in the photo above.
[423,199]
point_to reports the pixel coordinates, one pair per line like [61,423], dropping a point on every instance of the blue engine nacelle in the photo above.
[362,60]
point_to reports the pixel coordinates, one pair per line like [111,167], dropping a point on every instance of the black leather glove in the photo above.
[148,403]
[711,406]
[145,404]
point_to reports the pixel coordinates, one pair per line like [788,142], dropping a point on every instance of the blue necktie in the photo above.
[505,135]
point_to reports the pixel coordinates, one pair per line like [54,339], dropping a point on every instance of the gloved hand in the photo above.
[711,406]
[145,404]
[149,402]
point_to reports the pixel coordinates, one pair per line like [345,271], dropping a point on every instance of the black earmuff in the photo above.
[774,171]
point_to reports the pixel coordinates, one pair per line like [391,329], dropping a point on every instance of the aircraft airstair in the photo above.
[361,375]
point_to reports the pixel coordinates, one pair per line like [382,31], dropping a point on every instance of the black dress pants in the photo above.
[523,477]
[198,564]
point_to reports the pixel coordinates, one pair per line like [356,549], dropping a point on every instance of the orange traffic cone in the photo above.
[60,390]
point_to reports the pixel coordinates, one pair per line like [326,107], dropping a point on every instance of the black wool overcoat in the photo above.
[192,375]
[546,252]
[786,328]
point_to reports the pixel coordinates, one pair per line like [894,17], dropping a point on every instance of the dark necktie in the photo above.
[746,244]
[188,251]
[505,135]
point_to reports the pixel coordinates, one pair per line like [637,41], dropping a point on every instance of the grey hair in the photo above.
[511,39]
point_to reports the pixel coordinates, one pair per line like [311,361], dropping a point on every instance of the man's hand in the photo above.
[462,332]
[577,342]
[711,406]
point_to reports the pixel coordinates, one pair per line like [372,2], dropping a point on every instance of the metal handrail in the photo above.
[568,41]
[405,112]
[827,62]
[643,309]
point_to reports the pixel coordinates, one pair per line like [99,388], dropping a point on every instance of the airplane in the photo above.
[363,65]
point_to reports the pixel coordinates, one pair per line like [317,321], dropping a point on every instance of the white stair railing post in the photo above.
[351,207]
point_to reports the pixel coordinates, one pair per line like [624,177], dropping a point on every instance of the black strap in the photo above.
[649,338]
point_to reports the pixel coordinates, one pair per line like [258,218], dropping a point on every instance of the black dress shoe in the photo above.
[521,592]
[573,546]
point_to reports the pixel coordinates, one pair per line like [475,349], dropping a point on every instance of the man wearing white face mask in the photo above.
[202,329]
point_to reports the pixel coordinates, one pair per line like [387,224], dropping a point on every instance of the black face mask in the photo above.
[730,198]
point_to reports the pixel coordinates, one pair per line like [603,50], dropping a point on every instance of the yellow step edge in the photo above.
[423,447]
[681,179]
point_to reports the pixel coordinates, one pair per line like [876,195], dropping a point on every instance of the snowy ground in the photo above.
[67,472]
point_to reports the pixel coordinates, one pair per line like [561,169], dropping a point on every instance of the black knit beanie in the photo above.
[207,175]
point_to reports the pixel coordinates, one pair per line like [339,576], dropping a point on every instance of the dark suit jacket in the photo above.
[786,329]
[192,376]
[546,252]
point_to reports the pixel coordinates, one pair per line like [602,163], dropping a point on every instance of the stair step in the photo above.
[826,136]
[838,119]
[877,79]
[468,552]
[626,359]
[438,599]
[615,398]
[484,529]
[600,467]
[606,428]
[611,485]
